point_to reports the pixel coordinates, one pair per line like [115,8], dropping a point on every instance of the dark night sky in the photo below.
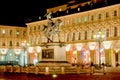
[17,12]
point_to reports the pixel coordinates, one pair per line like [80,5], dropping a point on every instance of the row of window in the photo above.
[84,35]
[10,43]
[88,17]
[12,33]
[78,20]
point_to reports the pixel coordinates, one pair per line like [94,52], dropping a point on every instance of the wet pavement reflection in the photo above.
[24,76]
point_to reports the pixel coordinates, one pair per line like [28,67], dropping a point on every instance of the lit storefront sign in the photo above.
[38,49]
[30,49]
[3,51]
[17,51]
[68,47]
[107,44]
[79,47]
[92,45]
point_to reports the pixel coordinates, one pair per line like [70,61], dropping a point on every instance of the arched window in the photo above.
[107,33]
[34,27]
[115,13]
[3,44]
[92,18]
[85,19]
[67,37]
[115,31]
[92,33]
[73,37]
[38,27]
[10,43]
[17,33]
[99,16]
[17,44]
[79,20]
[85,35]
[11,32]
[107,14]
[3,32]
[24,33]
[79,37]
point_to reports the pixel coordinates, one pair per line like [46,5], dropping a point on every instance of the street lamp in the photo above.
[24,45]
[100,36]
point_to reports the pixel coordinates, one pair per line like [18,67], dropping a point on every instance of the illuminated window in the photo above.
[11,32]
[3,31]
[79,20]
[67,11]
[17,33]
[78,9]
[60,9]
[68,22]
[24,33]
[39,17]
[85,19]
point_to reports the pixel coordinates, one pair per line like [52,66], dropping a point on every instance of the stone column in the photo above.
[68,56]
[79,57]
[62,70]
[112,57]
[119,57]
[28,58]
[39,56]
[92,56]
[107,57]
[46,70]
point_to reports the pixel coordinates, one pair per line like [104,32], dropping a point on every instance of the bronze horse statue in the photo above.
[52,27]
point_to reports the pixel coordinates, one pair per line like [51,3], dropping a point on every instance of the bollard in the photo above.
[36,70]
[62,70]
[4,68]
[27,71]
[11,68]
[104,70]
[92,70]
[78,70]
[18,69]
[46,70]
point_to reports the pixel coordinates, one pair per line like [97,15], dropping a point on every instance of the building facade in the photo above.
[11,40]
[89,36]
[84,37]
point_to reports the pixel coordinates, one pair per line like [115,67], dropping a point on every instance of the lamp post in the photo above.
[24,44]
[100,36]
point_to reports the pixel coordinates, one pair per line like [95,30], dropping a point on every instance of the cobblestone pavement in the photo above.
[95,76]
